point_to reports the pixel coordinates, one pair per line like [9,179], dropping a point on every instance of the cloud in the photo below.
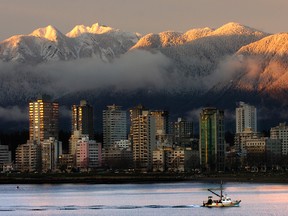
[136,69]
[13,114]
[65,112]
[194,115]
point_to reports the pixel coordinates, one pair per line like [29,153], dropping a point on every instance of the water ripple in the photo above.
[92,207]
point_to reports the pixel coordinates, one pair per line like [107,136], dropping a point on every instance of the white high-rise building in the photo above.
[114,125]
[246,117]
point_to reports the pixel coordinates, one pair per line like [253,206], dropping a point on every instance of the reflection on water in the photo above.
[139,199]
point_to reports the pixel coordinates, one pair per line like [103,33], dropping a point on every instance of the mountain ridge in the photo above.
[200,66]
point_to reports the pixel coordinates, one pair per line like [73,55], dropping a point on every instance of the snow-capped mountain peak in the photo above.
[50,32]
[233,28]
[94,29]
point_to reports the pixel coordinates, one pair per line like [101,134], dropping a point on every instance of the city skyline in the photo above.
[147,152]
[141,16]
[66,120]
[204,82]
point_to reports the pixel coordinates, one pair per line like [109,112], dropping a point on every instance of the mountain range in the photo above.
[178,71]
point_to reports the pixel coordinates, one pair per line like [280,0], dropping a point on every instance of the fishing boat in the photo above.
[222,201]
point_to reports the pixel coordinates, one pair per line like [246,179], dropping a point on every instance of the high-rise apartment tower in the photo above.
[114,125]
[143,140]
[246,117]
[43,120]
[212,143]
[82,119]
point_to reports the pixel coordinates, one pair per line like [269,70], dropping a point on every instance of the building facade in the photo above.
[246,117]
[43,120]
[75,137]
[51,149]
[159,162]
[241,138]
[114,125]
[183,132]
[169,159]
[134,113]
[118,157]
[143,140]
[212,139]
[28,157]
[161,121]
[5,155]
[82,118]
[88,154]
[281,132]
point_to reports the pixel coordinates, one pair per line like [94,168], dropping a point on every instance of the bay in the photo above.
[139,199]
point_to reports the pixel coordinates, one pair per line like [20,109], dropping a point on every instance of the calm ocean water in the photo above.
[139,199]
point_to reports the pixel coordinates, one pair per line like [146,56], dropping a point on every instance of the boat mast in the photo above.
[221,190]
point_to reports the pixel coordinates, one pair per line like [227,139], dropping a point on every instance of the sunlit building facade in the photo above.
[43,120]
[212,139]
[144,140]
[73,141]
[134,113]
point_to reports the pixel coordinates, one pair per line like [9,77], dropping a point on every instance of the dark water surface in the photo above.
[139,199]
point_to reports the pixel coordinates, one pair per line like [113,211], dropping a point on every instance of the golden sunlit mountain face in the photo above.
[49,32]
[94,29]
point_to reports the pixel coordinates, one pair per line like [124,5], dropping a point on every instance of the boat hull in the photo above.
[219,204]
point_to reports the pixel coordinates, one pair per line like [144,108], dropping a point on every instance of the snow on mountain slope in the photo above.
[197,53]
[169,38]
[195,58]
[49,44]
[163,39]
[270,46]
[265,66]
[233,28]
[94,29]
[50,33]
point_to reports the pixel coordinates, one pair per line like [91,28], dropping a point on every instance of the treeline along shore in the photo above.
[128,178]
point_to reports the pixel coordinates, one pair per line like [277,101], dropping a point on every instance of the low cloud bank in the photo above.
[13,114]
[134,70]
[137,69]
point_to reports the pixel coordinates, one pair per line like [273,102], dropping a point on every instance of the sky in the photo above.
[149,16]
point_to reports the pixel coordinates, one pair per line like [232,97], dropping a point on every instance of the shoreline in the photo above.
[141,178]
